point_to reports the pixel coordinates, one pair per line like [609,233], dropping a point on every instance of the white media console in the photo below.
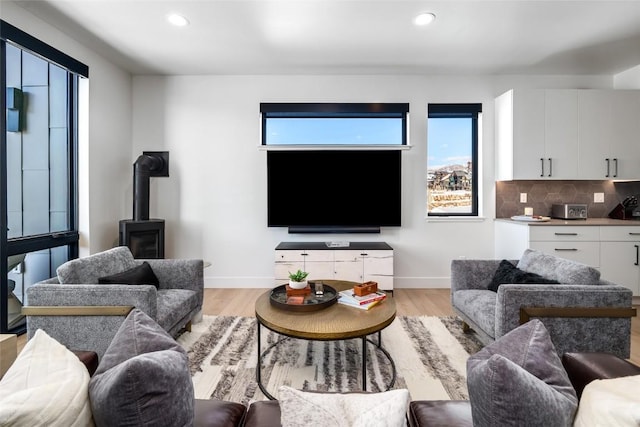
[357,262]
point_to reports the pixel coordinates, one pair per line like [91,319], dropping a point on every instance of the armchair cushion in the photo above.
[519,379]
[142,370]
[139,275]
[610,402]
[46,385]
[556,268]
[89,269]
[508,273]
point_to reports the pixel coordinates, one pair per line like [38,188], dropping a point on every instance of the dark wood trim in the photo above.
[527,313]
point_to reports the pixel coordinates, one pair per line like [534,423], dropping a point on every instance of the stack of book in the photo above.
[364,302]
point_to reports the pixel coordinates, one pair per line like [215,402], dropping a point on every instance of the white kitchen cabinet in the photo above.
[609,134]
[581,244]
[561,134]
[620,251]
[536,134]
[577,243]
[360,262]
[614,249]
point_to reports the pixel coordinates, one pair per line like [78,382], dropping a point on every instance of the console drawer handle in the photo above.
[566,234]
[634,234]
[566,249]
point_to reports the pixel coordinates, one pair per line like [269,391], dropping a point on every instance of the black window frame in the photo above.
[462,110]
[333,110]
[10,34]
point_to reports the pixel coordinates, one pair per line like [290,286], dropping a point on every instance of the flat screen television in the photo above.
[334,191]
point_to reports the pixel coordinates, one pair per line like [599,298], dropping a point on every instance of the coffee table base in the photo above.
[364,339]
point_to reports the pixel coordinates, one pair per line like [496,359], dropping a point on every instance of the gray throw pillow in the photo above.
[519,380]
[560,269]
[87,270]
[143,378]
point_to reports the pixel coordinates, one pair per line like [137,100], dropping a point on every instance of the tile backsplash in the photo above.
[542,194]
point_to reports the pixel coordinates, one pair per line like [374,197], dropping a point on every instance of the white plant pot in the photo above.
[297,285]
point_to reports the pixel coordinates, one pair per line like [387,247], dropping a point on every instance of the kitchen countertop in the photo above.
[575,222]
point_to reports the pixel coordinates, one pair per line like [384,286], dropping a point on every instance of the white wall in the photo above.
[214,201]
[629,79]
[105,156]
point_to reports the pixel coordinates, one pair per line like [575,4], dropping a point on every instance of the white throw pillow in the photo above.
[46,385]
[303,409]
[613,403]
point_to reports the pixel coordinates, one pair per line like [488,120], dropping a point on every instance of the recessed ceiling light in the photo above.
[177,20]
[424,18]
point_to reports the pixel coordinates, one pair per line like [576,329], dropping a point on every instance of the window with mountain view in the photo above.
[452,158]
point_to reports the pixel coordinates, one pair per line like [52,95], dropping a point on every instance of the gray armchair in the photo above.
[582,313]
[82,314]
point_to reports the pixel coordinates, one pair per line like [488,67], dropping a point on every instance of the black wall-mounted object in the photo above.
[149,164]
[14,109]
[334,191]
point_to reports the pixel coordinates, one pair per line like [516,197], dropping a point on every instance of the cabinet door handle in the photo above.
[634,234]
[615,163]
[550,166]
[364,254]
[566,234]
[303,254]
[541,167]
[566,249]
[637,254]
[608,167]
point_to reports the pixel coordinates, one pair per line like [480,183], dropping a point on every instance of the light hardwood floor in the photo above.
[409,302]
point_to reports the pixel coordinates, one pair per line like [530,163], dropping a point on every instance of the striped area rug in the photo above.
[430,355]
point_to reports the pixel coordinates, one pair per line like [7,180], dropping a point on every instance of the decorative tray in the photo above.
[528,218]
[311,302]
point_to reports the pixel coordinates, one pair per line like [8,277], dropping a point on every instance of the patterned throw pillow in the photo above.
[46,385]
[303,409]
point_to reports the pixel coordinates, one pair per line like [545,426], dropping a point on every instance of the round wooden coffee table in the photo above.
[337,322]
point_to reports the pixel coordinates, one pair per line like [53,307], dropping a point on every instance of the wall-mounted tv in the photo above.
[334,191]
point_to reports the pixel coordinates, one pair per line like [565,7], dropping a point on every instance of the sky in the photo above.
[340,131]
[448,139]
[449,142]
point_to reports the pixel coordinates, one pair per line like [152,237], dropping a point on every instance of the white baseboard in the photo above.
[268,282]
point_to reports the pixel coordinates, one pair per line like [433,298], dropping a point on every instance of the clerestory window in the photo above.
[334,124]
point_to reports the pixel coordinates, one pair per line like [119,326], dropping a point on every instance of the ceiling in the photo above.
[355,36]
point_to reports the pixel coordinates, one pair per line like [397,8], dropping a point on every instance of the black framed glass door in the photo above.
[38,167]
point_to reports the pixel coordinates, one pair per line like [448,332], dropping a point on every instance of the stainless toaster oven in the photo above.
[569,211]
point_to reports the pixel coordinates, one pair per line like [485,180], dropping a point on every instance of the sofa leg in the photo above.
[465,327]
[187,327]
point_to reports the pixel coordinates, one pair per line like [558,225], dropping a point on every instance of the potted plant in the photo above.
[298,280]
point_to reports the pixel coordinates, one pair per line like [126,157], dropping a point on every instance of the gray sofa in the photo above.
[96,311]
[582,312]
